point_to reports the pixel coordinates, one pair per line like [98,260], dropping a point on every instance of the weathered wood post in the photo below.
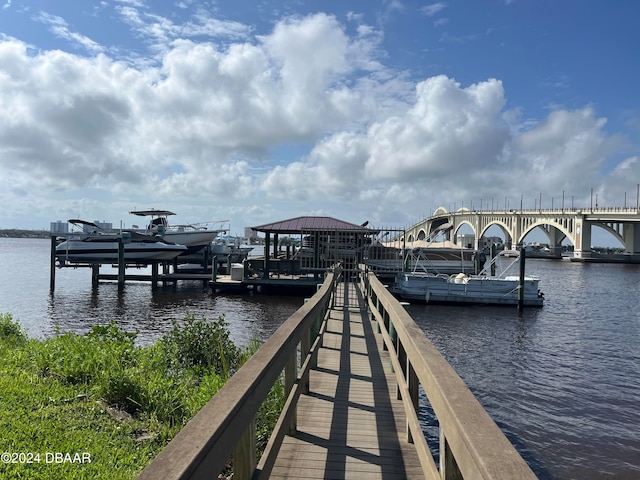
[305,348]
[448,467]
[493,254]
[154,275]
[244,455]
[521,283]
[290,377]
[385,324]
[214,268]
[52,272]
[95,275]
[120,263]
[413,386]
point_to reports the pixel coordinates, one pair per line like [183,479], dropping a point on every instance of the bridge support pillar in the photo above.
[555,241]
[582,248]
[631,234]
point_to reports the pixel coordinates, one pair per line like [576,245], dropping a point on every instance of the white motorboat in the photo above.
[194,236]
[229,249]
[93,245]
[484,288]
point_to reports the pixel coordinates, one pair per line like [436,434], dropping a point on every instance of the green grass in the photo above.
[99,397]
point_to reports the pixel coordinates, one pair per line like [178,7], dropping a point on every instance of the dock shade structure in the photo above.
[324,241]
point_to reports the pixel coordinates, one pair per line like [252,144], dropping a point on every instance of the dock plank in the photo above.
[350,424]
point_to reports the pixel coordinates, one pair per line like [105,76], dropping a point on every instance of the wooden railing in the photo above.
[225,426]
[471,445]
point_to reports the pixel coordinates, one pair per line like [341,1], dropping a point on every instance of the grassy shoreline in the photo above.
[98,406]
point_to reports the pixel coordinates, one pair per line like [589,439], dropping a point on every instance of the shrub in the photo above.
[77,359]
[201,343]
[11,331]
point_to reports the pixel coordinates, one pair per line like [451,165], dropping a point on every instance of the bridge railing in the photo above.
[471,445]
[533,211]
[225,426]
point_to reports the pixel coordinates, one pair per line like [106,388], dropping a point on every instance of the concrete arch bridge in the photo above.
[573,224]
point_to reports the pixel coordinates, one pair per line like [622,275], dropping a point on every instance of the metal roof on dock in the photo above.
[307,224]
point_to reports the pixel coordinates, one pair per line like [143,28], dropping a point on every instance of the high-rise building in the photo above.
[59,227]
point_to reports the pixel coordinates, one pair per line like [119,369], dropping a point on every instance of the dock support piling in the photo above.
[521,283]
[52,272]
[154,275]
[214,268]
[95,275]
[120,264]
[493,264]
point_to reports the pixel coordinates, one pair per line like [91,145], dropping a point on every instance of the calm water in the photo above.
[75,305]
[563,382]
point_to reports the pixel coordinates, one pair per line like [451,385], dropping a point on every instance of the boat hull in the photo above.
[107,252]
[193,240]
[429,288]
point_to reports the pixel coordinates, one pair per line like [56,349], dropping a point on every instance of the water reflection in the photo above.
[151,311]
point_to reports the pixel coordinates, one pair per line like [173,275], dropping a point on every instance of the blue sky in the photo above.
[364,110]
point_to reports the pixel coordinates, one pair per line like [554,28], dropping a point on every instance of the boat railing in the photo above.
[470,444]
[500,265]
[226,426]
[417,260]
[220,225]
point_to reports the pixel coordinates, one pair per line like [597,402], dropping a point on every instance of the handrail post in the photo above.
[385,321]
[290,377]
[305,348]
[412,385]
[244,456]
[449,469]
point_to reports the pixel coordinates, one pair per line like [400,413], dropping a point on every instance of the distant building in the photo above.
[466,240]
[59,227]
[487,242]
[106,226]
[469,241]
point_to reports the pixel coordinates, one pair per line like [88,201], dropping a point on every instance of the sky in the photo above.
[260,111]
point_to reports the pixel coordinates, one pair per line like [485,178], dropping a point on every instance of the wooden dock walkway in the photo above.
[350,425]
[342,418]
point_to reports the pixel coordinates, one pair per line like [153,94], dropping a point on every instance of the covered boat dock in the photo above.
[322,243]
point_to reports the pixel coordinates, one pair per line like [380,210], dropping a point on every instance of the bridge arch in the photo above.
[462,224]
[504,228]
[550,229]
[421,234]
[440,211]
[613,231]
